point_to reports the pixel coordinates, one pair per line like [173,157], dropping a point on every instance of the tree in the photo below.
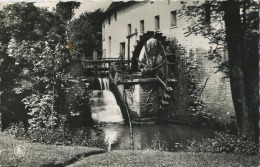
[221,23]
[66,9]
[35,58]
[66,12]
[86,32]
[239,79]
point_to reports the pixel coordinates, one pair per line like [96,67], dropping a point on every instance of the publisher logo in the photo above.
[19,151]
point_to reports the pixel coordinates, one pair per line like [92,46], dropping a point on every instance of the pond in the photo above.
[117,135]
[155,136]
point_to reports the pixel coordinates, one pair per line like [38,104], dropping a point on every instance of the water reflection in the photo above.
[111,136]
[161,137]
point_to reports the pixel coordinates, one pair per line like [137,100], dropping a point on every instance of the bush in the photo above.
[59,136]
[80,110]
[17,129]
[222,143]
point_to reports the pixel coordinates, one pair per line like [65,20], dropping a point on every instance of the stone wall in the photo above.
[140,103]
[149,96]
[217,93]
[199,79]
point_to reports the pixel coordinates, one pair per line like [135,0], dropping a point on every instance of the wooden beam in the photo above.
[105,61]
[137,81]
[97,69]
[162,83]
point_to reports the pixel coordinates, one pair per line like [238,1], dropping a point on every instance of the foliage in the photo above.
[79,108]
[35,60]
[211,19]
[66,9]
[173,47]
[60,136]
[16,129]
[206,20]
[222,143]
[40,106]
[81,104]
[158,144]
[86,33]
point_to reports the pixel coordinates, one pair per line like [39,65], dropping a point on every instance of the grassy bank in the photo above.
[76,156]
[156,158]
[40,155]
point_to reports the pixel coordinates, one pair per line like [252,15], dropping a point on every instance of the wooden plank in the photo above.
[98,69]
[137,81]
[104,61]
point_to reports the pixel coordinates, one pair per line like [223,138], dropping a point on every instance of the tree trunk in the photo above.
[234,39]
[250,68]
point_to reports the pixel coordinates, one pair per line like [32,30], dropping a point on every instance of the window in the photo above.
[142,26]
[122,49]
[109,19]
[104,53]
[103,32]
[157,22]
[115,15]
[109,46]
[129,28]
[173,18]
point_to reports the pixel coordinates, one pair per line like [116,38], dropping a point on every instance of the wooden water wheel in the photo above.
[150,58]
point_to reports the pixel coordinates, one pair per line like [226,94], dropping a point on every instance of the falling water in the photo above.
[106,83]
[100,82]
[105,108]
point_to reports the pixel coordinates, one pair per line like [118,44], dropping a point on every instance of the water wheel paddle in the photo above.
[149,58]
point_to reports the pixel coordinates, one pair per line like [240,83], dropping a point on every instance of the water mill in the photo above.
[129,83]
[143,86]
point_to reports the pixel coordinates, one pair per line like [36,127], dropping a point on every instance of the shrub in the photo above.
[80,109]
[59,136]
[222,143]
[40,108]
[17,129]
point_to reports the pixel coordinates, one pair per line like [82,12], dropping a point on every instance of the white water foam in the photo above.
[105,108]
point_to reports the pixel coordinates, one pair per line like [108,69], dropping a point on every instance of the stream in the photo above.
[155,136]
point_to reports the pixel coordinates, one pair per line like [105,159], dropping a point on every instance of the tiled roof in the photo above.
[115,5]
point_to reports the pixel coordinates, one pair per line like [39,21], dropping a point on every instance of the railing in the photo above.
[104,64]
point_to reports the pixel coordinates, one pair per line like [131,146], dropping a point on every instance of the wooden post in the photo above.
[95,57]
[1,125]
[128,52]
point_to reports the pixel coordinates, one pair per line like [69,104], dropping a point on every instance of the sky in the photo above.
[86,5]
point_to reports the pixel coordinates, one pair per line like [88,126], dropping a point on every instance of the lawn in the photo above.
[75,156]
[40,155]
[169,159]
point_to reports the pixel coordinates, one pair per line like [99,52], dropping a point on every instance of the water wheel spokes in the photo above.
[160,65]
[153,63]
